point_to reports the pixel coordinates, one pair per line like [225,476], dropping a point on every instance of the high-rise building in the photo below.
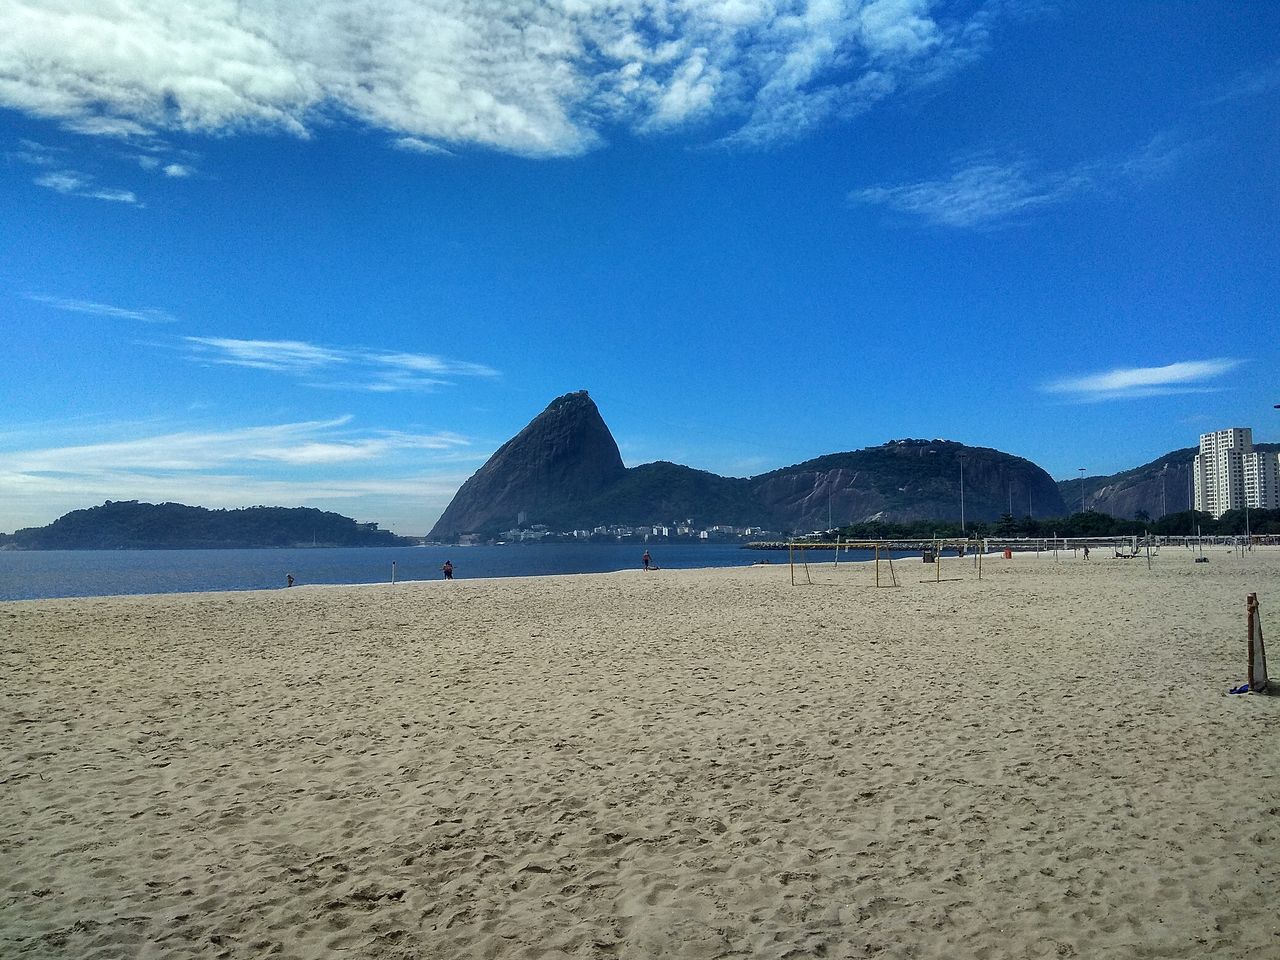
[1230,475]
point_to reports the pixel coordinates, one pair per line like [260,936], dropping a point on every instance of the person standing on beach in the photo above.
[646,560]
[1086,551]
[448,569]
[289,579]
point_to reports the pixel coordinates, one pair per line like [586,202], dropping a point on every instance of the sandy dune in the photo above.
[678,764]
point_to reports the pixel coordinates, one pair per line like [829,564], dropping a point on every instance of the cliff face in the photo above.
[564,457]
[1156,488]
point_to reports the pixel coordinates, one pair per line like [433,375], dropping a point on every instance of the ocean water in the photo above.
[36,574]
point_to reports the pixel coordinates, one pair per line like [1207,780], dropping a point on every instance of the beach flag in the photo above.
[1257,654]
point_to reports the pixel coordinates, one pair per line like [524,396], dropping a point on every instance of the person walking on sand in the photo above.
[448,569]
[1086,551]
[647,560]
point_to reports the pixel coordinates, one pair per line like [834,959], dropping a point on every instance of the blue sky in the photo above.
[334,255]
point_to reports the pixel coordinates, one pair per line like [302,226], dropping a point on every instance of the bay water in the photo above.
[37,574]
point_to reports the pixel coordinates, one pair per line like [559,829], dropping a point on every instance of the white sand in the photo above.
[682,764]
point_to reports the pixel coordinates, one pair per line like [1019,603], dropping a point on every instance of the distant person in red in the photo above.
[448,569]
[647,560]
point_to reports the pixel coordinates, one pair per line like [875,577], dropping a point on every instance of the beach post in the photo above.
[393,571]
[877,564]
[1257,653]
[791,561]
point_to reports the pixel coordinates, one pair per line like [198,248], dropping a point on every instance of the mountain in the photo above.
[906,480]
[564,470]
[1157,488]
[565,456]
[128,524]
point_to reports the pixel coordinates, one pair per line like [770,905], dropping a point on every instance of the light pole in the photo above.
[1081,469]
[962,459]
[1164,491]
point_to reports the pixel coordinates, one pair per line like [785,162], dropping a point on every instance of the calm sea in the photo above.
[35,574]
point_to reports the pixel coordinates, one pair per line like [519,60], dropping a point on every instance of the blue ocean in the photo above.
[36,574]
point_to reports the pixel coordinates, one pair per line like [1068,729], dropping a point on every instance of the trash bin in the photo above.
[1008,554]
[927,555]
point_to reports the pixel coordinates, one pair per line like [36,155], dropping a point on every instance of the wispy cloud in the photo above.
[36,154]
[376,371]
[1248,84]
[304,444]
[1188,376]
[541,79]
[418,145]
[395,477]
[103,309]
[76,184]
[979,194]
[987,191]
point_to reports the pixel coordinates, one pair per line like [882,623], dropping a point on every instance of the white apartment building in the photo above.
[1230,475]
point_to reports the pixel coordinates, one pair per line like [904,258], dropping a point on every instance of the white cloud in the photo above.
[417,145]
[534,78]
[76,184]
[177,170]
[986,191]
[1187,376]
[312,443]
[103,309]
[978,194]
[347,368]
[283,464]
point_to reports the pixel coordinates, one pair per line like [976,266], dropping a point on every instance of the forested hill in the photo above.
[131,525]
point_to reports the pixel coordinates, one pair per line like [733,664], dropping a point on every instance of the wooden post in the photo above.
[877,564]
[791,561]
[1257,654]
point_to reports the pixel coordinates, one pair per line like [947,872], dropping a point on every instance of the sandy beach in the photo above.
[1044,763]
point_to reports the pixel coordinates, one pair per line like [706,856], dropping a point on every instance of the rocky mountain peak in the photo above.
[566,454]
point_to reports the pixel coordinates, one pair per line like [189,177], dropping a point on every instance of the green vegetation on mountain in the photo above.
[669,491]
[130,525]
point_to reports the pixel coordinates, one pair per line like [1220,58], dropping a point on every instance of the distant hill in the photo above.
[131,525]
[563,470]
[1156,488]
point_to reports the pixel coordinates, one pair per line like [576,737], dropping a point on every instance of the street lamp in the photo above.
[962,459]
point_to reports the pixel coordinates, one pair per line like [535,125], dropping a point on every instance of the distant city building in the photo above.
[1230,475]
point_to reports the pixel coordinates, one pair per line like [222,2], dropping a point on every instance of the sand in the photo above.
[673,764]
